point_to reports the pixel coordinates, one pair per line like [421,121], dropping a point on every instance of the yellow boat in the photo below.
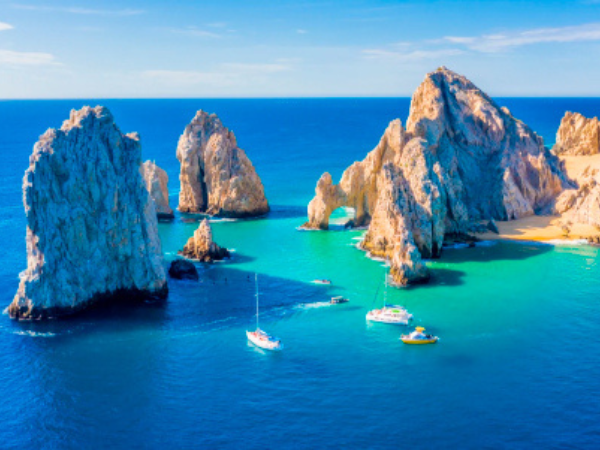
[418,337]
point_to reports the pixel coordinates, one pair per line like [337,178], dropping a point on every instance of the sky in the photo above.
[280,48]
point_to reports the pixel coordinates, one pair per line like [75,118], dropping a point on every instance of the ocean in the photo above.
[516,365]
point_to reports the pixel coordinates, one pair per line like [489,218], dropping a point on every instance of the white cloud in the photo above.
[301,31]
[226,74]
[409,56]
[13,58]
[195,32]
[82,11]
[492,43]
[5,26]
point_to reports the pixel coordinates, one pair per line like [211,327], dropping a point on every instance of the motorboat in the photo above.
[418,337]
[259,337]
[394,314]
[339,299]
[322,281]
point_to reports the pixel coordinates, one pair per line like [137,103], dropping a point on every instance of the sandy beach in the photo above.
[548,228]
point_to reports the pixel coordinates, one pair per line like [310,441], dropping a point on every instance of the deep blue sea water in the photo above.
[516,367]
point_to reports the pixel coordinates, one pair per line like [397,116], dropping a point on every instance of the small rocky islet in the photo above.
[461,162]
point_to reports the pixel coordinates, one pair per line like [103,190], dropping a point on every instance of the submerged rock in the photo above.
[91,224]
[182,269]
[201,246]
[460,160]
[157,180]
[577,135]
[217,178]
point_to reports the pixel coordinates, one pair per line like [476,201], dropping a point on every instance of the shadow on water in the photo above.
[223,297]
[288,212]
[495,251]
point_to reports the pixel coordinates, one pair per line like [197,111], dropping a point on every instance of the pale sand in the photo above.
[548,228]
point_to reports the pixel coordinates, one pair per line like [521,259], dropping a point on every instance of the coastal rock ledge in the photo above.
[201,246]
[461,160]
[216,177]
[91,224]
[157,181]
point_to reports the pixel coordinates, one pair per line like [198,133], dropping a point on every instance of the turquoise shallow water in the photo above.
[516,367]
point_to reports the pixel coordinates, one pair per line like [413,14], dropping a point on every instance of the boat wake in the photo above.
[34,333]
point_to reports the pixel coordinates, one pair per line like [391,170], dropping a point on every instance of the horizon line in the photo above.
[318,97]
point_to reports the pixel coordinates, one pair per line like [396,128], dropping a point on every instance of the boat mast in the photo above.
[385,290]
[256,284]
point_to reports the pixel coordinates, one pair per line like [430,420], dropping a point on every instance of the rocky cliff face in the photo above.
[201,246]
[156,180]
[577,135]
[582,204]
[460,160]
[91,224]
[217,178]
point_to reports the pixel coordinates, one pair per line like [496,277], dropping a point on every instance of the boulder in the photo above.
[182,269]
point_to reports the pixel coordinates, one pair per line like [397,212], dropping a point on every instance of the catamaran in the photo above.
[259,337]
[394,314]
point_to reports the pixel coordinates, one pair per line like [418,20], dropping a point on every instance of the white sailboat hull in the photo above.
[263,340]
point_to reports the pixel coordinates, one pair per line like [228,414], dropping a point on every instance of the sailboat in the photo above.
[259,337]
[394,314]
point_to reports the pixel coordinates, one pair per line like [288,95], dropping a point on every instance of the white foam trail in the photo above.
[34,333]
[312,305]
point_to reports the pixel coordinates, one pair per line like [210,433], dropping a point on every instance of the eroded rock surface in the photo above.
[201,246]
[460,160]
[577,135]
[91,224]
[582,204]
[217,178]
[157,180]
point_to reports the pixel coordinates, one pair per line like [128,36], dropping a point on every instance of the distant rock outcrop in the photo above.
[217,178]
[201,246]
[461,159]
[157,180]
[91,224]
[577,135]
[182,269]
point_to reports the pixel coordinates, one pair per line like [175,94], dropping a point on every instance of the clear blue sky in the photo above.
[259,48]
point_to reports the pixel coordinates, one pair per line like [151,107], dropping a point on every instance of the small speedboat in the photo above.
[322,281]
[418,337]
[264,340]
[390,314]
[339,299]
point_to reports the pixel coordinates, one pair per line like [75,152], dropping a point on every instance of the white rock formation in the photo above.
[157,180]
[217,178]
[201,246]
[91,224]
[577,135]
[460,160]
